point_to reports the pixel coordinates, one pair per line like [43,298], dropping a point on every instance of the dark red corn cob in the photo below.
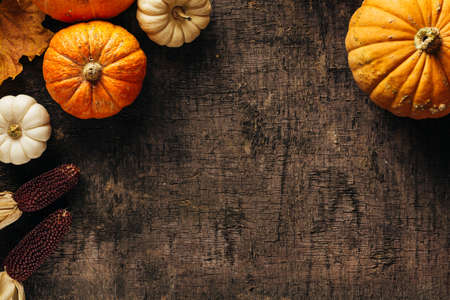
[37,245]
[46,188]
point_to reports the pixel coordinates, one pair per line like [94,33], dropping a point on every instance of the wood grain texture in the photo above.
[251,167]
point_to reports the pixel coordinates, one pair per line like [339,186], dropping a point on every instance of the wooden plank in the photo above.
[251,167]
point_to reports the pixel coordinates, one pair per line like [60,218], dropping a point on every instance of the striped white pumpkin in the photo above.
[24,129]
[172,23]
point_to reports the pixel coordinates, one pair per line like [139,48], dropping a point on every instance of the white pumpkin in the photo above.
[24,129]
[173,22]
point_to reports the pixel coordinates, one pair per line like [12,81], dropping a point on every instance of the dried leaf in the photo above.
[21,34]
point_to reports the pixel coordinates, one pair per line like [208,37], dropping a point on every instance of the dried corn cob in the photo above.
[46,188]
[37,193]
[31,252]
[37,245]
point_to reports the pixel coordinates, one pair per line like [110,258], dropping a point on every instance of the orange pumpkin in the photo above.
[94,69]
[82,10]
[399,53]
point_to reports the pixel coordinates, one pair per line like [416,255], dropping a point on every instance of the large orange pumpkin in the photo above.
[82,10]
[94,69]
[399,53]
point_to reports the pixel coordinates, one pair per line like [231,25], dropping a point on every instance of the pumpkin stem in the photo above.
[92,71]
[15,131]
[428,39]
[178,13]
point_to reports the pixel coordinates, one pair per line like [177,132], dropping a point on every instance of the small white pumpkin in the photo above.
[24,129]
[172,23]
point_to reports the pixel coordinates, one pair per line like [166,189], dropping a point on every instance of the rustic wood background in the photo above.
[251,167]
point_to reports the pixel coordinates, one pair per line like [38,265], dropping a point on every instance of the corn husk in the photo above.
[9,212]
[10,289]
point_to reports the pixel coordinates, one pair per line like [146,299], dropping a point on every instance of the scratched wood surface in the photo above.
[250,167]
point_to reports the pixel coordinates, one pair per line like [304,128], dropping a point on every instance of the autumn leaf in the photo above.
[21,34]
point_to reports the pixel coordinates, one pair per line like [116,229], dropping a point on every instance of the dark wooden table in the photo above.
[250,167]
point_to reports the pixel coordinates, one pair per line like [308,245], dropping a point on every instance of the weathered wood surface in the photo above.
[251,167]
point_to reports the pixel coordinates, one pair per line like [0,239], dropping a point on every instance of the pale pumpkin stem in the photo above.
[428,39]
[15,131]
[178,13]
[92,71]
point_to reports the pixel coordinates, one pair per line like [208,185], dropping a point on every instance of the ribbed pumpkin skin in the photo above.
[162,24]
[82,10]
[115,49]
[386,63]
